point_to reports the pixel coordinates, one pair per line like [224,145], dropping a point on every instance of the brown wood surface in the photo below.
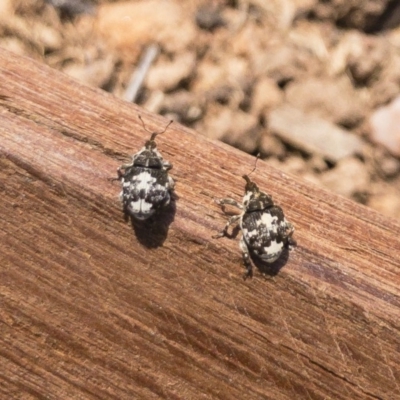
[94,309]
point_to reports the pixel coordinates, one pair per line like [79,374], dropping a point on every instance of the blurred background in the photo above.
[313,85]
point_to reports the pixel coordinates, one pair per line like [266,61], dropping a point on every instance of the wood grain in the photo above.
[94,309]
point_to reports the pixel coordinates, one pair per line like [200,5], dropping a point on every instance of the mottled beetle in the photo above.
[265,230]
[146,186]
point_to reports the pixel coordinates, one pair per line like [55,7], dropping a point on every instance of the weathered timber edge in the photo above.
[90,310]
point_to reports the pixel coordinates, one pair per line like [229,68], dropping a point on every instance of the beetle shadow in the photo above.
[152,232]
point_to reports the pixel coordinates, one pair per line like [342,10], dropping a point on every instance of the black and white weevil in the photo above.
[265,230]
[146,186]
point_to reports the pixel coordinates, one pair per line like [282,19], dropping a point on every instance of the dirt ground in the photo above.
[312,85]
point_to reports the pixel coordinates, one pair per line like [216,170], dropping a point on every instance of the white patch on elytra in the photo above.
[253,233]
[268,220]
[272,252]
[143,180]
[140,206]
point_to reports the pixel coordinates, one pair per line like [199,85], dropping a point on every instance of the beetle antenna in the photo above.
[154,134]
[255,164]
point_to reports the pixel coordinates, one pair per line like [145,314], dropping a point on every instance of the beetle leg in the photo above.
[229,201]
[231,221]
[246,259]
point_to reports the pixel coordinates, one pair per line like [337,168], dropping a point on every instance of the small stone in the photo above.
[295,165]
[360,14]
[95,73]
[231,72]
[366,64]
[166,75]
[208,17]
[49,37]
[387,165]
[266,96]
[386,201]
[318,164]
[350,176]
[385,126]
[6,9]
[313,134]
[68,9]
[234,127]
[320,97]
[280,64]
[14,45]
[183,104]
[390,167]
[271,146]
[130,25]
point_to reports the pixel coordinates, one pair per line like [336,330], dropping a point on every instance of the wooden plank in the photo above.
[92,308]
